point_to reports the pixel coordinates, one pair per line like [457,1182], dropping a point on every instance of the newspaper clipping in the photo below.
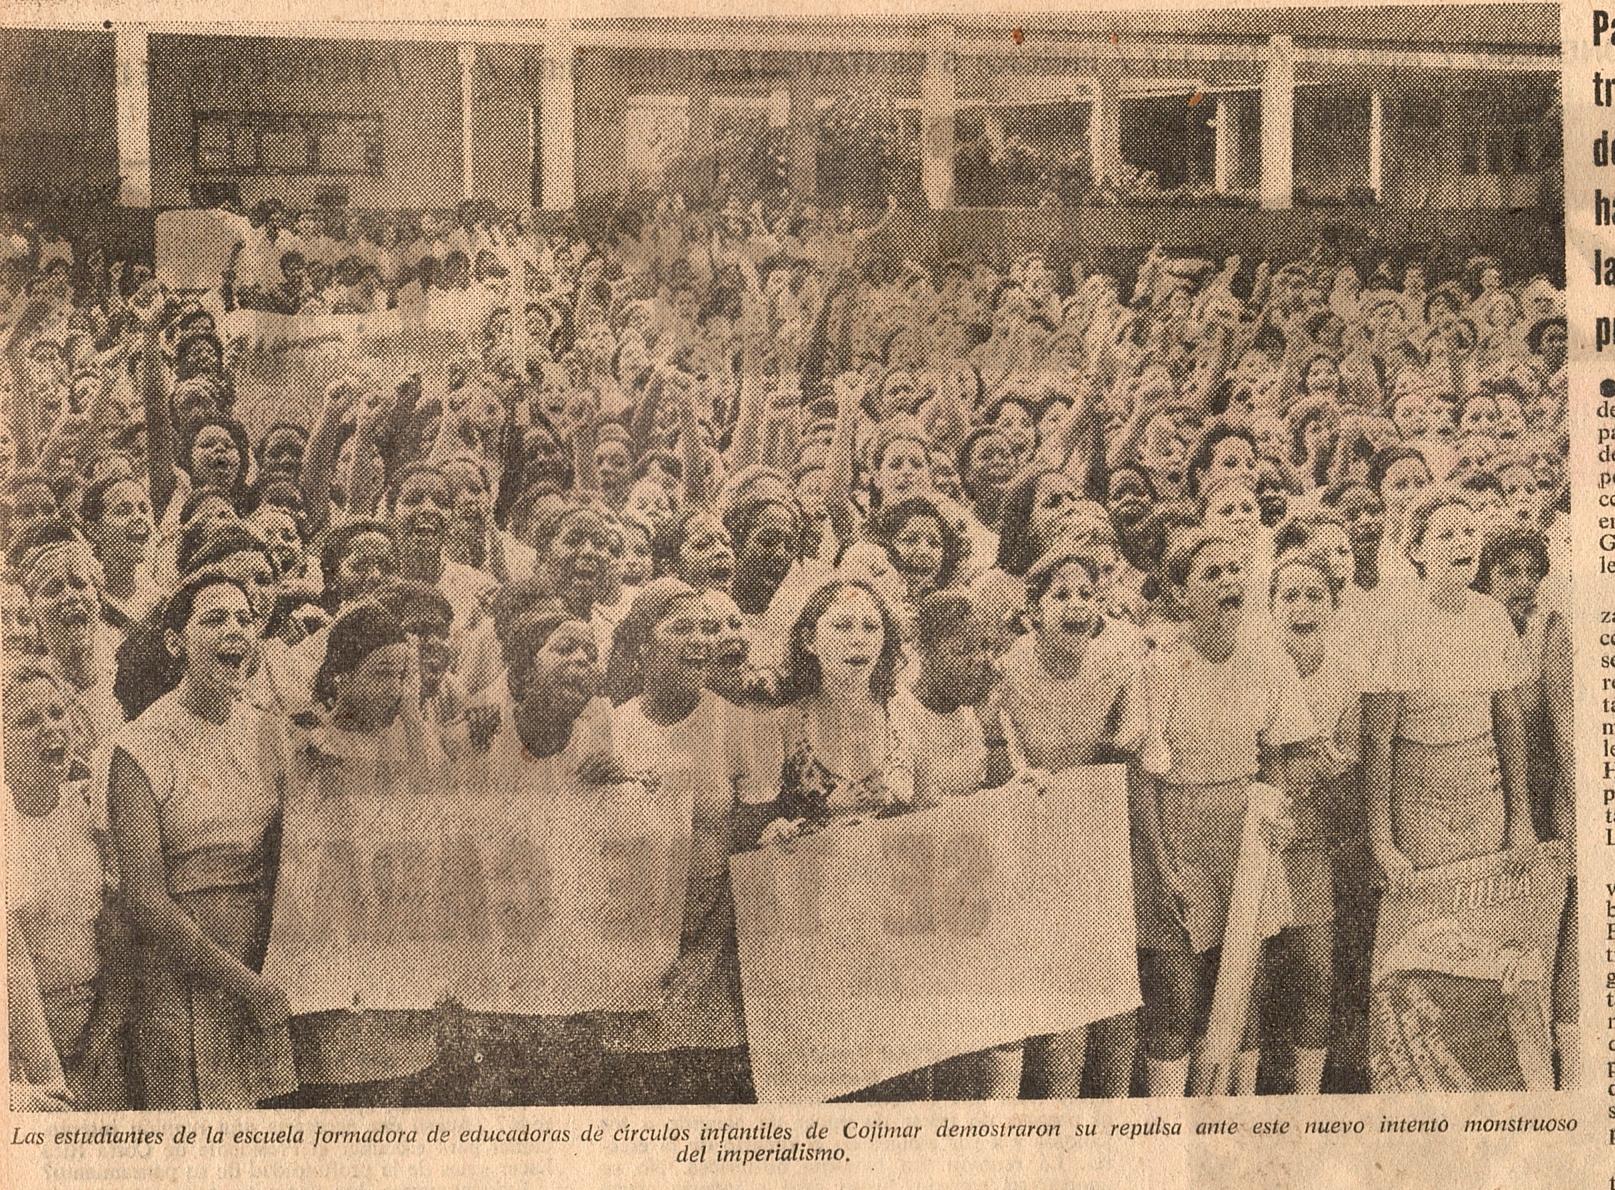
[802,594]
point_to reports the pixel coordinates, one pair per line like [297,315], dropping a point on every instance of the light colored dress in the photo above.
[700,1007]
[60,875]
[1064,722]
[1447,798]
[218,791]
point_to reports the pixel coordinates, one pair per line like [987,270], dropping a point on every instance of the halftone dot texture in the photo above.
[1082,138]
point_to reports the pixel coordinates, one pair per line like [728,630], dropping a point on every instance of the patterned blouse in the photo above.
[810,789]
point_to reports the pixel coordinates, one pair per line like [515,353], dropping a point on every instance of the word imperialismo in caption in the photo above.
[764,1142]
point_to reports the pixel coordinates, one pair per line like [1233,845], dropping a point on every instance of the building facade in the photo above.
[1419,108]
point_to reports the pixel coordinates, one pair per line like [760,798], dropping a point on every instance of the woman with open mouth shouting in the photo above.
[1070,691]
[1229,506]
[553,746]
[361,757]
[59,576]
[1325,859]
[116,514]
[195,793]
[574,551]
[420,501]
[1045,506]
[215,456]
[60,899]
[1223,707]
[849,753]
[1444,735]
[696,548]
[671,729]
[847,756]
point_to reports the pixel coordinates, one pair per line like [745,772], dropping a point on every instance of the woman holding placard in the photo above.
[1223,708]
[361,756]
[1070,696]
[552,750]
[670,729]
[849,754]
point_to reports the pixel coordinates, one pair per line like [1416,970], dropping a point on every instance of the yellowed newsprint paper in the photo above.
[806,594]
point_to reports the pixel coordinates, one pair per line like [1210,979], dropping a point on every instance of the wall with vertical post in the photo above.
[1376,144]
[939,114]
[468,125]
[557,119]
[134,116]
[1105,123]
[1225,166]
[1278,124]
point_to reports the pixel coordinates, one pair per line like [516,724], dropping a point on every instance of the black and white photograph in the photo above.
[702,561]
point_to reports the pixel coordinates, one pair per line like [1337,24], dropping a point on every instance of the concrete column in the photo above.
[557,103]
[1278,124]
[1225,162]
[992,127]
[468,92]
[703,141]
[939,115]
[133,52]
[801,135]
[1105,125]
[1376,144]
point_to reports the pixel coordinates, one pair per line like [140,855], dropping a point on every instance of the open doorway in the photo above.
[1172,137]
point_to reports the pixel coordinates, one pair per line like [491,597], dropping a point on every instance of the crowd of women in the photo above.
[739,498]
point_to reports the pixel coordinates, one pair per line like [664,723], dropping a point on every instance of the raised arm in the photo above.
[369,479]
[324,446]
[783,432]
[1148,400]
[1076,446]
[24,399]
[162,439]
[838,480]
[746,445]
[584,413]
[691,448]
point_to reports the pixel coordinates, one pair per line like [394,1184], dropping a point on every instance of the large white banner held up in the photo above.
[560,905]
[880,947]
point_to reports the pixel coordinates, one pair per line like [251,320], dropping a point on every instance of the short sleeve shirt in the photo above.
[1209,722]
[1447,667]
[217,788]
